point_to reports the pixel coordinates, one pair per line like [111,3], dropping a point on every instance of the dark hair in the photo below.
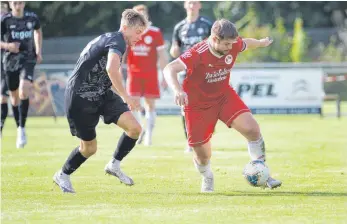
[224,29]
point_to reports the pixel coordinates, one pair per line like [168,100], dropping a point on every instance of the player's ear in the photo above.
[215,39]
[124,27]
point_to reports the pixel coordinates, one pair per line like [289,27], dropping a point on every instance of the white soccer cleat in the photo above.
[21,138]
[272,183]
[207,185]
[188,149]
[113,170]
[63,181]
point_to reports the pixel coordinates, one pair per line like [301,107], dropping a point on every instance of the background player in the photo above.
[89,96]
[193,29]
[208,97]
[142,76]
[21,38]
[4,88]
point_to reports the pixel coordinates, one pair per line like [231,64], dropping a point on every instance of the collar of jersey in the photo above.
[212,51]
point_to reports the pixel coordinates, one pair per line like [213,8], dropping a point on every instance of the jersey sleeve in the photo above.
[190,59]
[175,36]
[115,45]
[241,44]
[160,42]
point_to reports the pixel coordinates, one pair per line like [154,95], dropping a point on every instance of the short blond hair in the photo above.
[131,18]
[224,29]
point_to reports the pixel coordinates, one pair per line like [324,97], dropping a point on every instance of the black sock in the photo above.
[4,112]
[23,108]
[74,161]
[184,126]
[125,145]
[16,114]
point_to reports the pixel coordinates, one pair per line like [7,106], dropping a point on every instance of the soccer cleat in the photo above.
[272,183]
[188,149]
[21,138]
[63,181]
[116,171]
[207,185]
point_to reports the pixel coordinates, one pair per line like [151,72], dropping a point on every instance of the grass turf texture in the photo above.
[307,153]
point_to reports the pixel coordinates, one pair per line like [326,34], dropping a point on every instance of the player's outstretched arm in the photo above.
[252,43]
[113,71]
[170,75]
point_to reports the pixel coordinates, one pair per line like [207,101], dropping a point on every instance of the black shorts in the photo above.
[13,77]
[83,115]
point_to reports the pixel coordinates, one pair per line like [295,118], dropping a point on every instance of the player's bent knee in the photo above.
[252,132]
[24,89]
[3,99]
[88,148]
[202,153]
[202,160]
[14,98]
[134,131]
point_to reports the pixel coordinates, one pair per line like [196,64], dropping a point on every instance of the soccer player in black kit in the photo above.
[89,96]
[21,39]
[190,31]
[4,88]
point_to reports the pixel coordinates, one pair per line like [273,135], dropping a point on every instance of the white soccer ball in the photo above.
[256,173]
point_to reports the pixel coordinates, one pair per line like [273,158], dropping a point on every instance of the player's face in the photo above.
[134,34]
[222,46]
[192,7]
[17,7]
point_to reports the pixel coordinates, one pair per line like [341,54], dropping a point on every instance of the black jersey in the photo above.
[188,34]
[89,79]
[20,30]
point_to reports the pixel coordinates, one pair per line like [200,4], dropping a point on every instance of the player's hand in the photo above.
[13,47]
[266,41]
[133,103]
[38,58]
[181,98]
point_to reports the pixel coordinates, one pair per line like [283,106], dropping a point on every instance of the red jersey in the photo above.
[208,74]
[142,58]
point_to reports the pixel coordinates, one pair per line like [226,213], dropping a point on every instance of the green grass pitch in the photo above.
[307,153]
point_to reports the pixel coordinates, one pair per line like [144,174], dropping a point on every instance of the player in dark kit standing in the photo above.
[208,97]
[186,34]
[21,38]
[4,88]
[89,96]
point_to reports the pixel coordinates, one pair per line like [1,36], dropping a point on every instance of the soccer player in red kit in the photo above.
[208,97]
[143,73]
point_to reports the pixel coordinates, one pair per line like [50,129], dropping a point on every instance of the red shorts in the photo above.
[146,85]
[200,123]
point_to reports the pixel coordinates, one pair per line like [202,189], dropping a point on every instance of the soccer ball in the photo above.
[256,173]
